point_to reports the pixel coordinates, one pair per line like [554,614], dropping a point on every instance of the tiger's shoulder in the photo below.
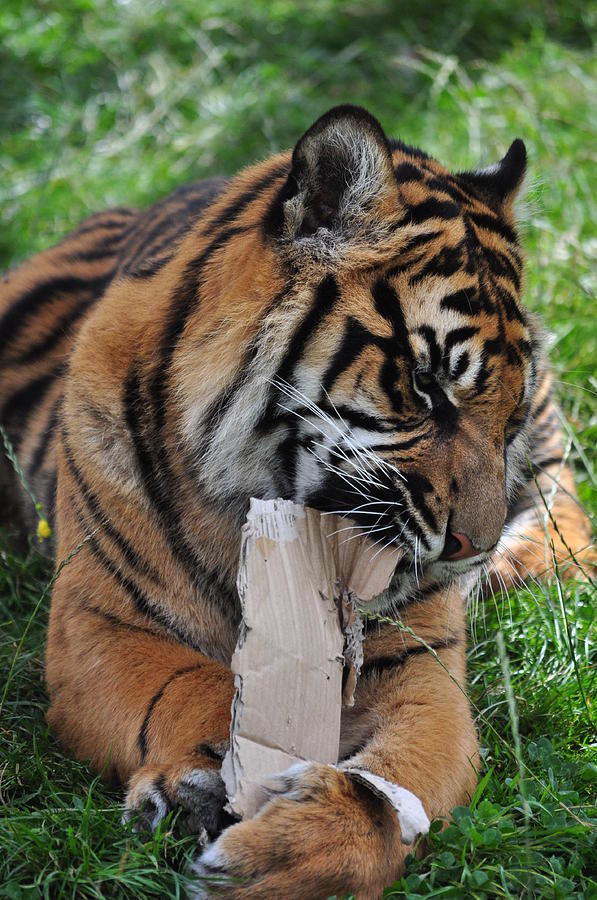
[44,302]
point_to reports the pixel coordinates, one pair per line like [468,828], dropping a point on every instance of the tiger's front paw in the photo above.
[199,792]
[322,833]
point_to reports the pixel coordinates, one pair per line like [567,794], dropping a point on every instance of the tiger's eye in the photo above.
[425,381]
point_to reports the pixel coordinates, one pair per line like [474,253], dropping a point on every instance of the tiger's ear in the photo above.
[503,179]
[341,175]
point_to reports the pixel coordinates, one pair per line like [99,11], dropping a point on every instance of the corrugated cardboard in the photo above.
[298,580]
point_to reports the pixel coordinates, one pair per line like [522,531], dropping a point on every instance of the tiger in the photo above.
[340,325]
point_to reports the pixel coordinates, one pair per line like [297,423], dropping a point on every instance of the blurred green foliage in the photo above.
[105,101]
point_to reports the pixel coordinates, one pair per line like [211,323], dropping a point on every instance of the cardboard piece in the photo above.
[300,577]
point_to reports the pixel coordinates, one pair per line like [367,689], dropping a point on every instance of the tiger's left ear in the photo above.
[341,186]
[503,179]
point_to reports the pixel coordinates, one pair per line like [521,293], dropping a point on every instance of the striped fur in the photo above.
[341,326]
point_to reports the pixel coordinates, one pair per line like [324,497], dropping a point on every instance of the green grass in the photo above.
[107,102]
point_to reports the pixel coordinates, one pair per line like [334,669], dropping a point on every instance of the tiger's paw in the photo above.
[321,833]
[156,790]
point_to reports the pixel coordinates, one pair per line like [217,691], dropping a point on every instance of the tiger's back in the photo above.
[43,304]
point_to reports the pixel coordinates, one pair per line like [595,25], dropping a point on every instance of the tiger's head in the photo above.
[390,372]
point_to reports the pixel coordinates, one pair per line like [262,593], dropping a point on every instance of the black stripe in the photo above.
[549,461]
[240,203]
[382,664]
[174,218]
[498,226]
[418,486]
[508,301]
[108,252]
[353,417]
[525,347]
[159,785]
[106,246]
[142,738]
[50,498]
[482,376]
[148,268]
[455,189]
[414,152]
[23,308]
[22,403]
[101,519]
[400,445]
[354,340]
[445,263]
[160,479]
[407,261]
[465,302]
[60,331]
[39,454]
[493,346]
[208,751]
[408,172]
[407,265]
[132,403]
[513,357]
[325,299]
[387,304]
[459,336]
[139,599]
[97,222]
[113,620]
[219,407]
[358,418]
[539,410]
[213,588]
[433,208]
[185,299]
[180,215]
[428,333]
[499,264]
[460,366]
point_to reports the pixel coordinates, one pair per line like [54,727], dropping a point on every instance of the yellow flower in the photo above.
[43,530]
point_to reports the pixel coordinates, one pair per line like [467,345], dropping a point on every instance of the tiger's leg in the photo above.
[322,833]
[547,511]
[140,706]
[135,686]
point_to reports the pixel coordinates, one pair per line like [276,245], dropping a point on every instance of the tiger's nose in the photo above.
[458,546]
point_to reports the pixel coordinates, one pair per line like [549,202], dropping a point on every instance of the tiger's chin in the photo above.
[412,584]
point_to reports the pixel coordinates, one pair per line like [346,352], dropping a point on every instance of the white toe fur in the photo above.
[207,780]
[213,857]
[412,818]
[159,803]
[288,781]
[211,866]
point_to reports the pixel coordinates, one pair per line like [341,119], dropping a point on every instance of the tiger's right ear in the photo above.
[503,180]
[341,178]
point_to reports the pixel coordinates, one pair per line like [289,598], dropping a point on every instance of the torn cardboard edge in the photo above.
[301,577]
